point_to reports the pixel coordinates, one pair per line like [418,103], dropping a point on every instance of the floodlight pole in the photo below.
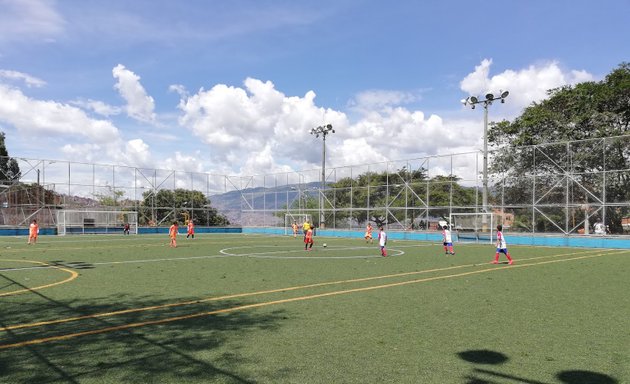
[484,195]
[472,101]
[323,130]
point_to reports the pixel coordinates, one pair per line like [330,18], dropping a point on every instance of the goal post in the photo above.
[73,222]
[298,218]
[473,227]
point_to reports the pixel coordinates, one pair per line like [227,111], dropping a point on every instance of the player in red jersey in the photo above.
[308,240]
[368,233]
[33,231]
[172,233]
[191,229]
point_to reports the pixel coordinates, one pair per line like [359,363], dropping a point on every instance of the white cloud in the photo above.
[140,106]
[525,85]
[374,100]
[258,130]
[43,118]
[29,19]
[183,162]
[88,152]
[98,107]
[138,153]
[29,80]
[237,123]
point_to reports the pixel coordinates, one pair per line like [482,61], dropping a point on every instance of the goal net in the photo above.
[299,219]
[70,222]
[473,227]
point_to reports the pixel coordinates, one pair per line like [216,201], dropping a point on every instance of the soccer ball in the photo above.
[324,245]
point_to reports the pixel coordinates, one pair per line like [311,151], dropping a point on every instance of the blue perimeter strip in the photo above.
[577,241]
[117,230]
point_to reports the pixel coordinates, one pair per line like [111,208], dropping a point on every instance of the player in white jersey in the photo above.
[501,246]
[447,240]
[382,241]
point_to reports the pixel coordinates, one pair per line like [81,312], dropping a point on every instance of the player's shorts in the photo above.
[502,250]
[368,235]
[448,244]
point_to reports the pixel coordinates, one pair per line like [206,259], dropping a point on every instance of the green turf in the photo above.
[259,309]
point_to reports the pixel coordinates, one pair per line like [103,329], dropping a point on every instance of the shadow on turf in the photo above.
[487,357]
[191,350]
[71,264]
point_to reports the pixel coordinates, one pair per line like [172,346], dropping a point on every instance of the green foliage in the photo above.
[9,168]
[110,200]
[397,191]
[165,206]
[585,111]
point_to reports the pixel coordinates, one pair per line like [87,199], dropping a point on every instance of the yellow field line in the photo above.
[73,275]
[240,295]
[282,301]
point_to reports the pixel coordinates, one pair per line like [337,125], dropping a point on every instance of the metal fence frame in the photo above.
[559,192]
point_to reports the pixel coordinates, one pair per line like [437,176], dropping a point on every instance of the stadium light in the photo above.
[323,130]
[472,101]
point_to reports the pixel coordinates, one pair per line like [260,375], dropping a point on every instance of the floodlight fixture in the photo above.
[505,94]
[489,96]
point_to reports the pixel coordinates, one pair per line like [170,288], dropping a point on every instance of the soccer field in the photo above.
[259,309]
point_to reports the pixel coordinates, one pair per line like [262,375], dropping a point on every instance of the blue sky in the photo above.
[233,87]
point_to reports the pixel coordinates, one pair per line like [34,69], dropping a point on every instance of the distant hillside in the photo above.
[234,200]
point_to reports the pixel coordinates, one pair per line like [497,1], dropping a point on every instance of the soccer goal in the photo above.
[300,218]
[73,222]
[473,227]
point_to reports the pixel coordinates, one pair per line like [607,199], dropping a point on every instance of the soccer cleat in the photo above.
[510,262]
[452,253]
[495,262]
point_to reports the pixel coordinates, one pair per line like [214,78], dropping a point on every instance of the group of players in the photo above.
[447,240]
[33,232]
[174,230]
[307,229]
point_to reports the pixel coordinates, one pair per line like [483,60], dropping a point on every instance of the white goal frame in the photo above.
[476,227]
[299,218]
[80,222]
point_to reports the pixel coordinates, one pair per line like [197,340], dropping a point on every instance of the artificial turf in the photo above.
[260,309]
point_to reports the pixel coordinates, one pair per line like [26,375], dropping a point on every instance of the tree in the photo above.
[180,205]
[585,111]
[9,168]
[110,200]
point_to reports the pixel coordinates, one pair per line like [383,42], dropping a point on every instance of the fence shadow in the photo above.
[189,348]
